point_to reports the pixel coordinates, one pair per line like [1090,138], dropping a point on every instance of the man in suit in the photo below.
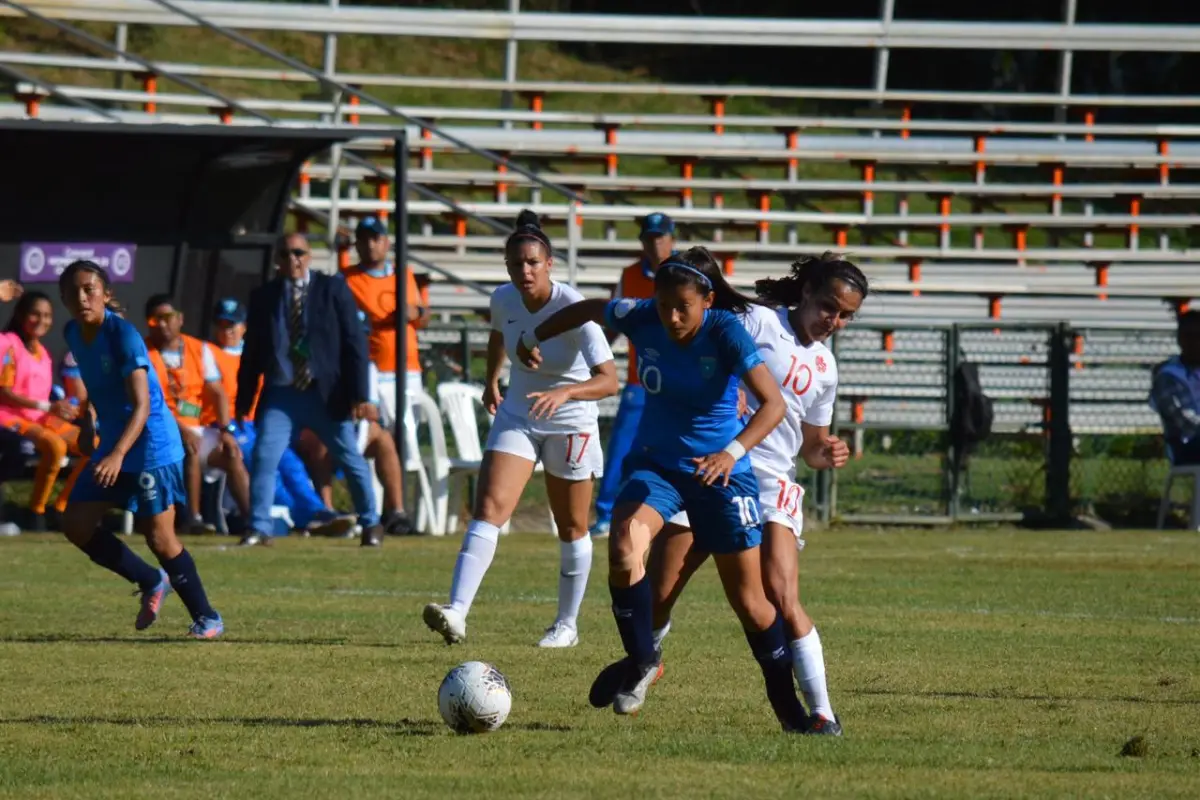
[304,339]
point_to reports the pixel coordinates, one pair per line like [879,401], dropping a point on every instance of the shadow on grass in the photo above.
[400,727]
[1015,696]
[71,638]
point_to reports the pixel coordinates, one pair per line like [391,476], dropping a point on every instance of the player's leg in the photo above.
[781,580]
[81,524]
[674,558]
[727,522]
[151,498]
[508,461]
[51,450]
[572,461]
[69,434]
[620,440]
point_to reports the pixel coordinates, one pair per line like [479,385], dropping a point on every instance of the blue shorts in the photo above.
[725,519]
[143,494]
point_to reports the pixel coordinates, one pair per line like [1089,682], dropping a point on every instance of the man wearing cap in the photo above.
[637,281]
[305,344]
[373,283]
[293,487]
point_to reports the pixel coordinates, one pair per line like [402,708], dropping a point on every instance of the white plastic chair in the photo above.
[459,402]
[432,475]
[1164,505]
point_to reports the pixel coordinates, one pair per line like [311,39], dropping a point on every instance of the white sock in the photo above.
[474,558]
[661,633]
[575,564]
[808,661]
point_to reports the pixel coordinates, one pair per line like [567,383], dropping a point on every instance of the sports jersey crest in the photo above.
[708,367]
[820,364]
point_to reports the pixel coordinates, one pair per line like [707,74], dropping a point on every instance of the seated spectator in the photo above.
[293,486]
[1175,393]
[26,407]
[187,370]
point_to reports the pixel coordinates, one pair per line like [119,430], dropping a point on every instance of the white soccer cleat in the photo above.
[451,624]
[560,635]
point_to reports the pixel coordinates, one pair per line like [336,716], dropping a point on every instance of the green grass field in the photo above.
[962,664]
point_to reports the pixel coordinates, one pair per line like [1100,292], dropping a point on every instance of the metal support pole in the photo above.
[1058,468]
[510,62]
[121,40]
[953,455]
[887,9]
[573,243]
[400,242]
[329,60]
[1066,60]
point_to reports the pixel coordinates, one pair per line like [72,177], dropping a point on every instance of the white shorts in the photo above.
[210,440]
[782,501]
[570,456]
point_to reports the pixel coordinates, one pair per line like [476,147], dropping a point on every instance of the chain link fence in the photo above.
[1073,433]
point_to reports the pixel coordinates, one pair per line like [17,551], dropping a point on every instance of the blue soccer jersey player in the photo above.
[689,455]
[138,464]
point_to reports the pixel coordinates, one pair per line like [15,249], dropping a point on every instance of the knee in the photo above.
[627,546]
[56,448]
[753,609]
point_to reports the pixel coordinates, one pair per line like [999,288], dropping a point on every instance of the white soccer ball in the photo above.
[474,698]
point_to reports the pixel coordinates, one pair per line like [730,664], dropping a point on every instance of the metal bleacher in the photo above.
[955,221]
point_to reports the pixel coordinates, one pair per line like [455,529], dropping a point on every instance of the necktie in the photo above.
[301,377]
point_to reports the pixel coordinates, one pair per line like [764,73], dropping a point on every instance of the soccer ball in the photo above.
[474,698]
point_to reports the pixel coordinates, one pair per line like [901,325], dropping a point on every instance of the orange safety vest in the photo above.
[183,388]
[376,296]
[637,284]
[228,364]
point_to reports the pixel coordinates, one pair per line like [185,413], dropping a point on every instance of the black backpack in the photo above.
[973,413]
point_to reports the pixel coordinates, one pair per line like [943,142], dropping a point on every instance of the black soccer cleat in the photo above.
[608,683]
[820,726]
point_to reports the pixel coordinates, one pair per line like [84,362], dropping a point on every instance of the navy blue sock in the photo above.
[186,583]
[770,649]
[632,609]
[111,553]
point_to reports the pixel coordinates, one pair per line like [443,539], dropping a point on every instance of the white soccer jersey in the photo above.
[566,359]
[808,378]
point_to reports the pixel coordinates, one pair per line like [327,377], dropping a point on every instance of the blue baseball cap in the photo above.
[230,310]
[371,226]
[658,224]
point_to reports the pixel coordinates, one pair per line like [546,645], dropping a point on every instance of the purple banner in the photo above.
[43,262]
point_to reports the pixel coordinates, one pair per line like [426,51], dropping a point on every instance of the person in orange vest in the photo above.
[637,282]
[373,283]
[187,369]
[293,487]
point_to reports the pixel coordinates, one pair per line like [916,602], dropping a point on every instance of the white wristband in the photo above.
[43,405]
[735,449]
[529,339]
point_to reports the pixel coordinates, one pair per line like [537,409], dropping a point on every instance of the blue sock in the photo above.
[632,609]
[771,650]
[111,553]
[186,583]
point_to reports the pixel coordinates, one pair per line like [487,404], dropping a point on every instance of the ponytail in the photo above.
[813,273]
[698,268]
[528,228]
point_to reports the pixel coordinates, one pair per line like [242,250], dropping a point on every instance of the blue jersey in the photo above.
[691,390]
[104,364]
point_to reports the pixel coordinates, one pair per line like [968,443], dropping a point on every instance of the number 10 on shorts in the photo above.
[748,511]
[580,441]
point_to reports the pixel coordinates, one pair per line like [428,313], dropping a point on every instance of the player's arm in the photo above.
[603,383]
[214,386]
[250,370]
[87,429]
[492,398]
[818,448]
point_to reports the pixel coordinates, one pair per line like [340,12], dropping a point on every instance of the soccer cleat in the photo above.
[600,530]
[207,628]
[447,621]
[152,601]
[638,680]
[560,635]
[820,726]
[608,682]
